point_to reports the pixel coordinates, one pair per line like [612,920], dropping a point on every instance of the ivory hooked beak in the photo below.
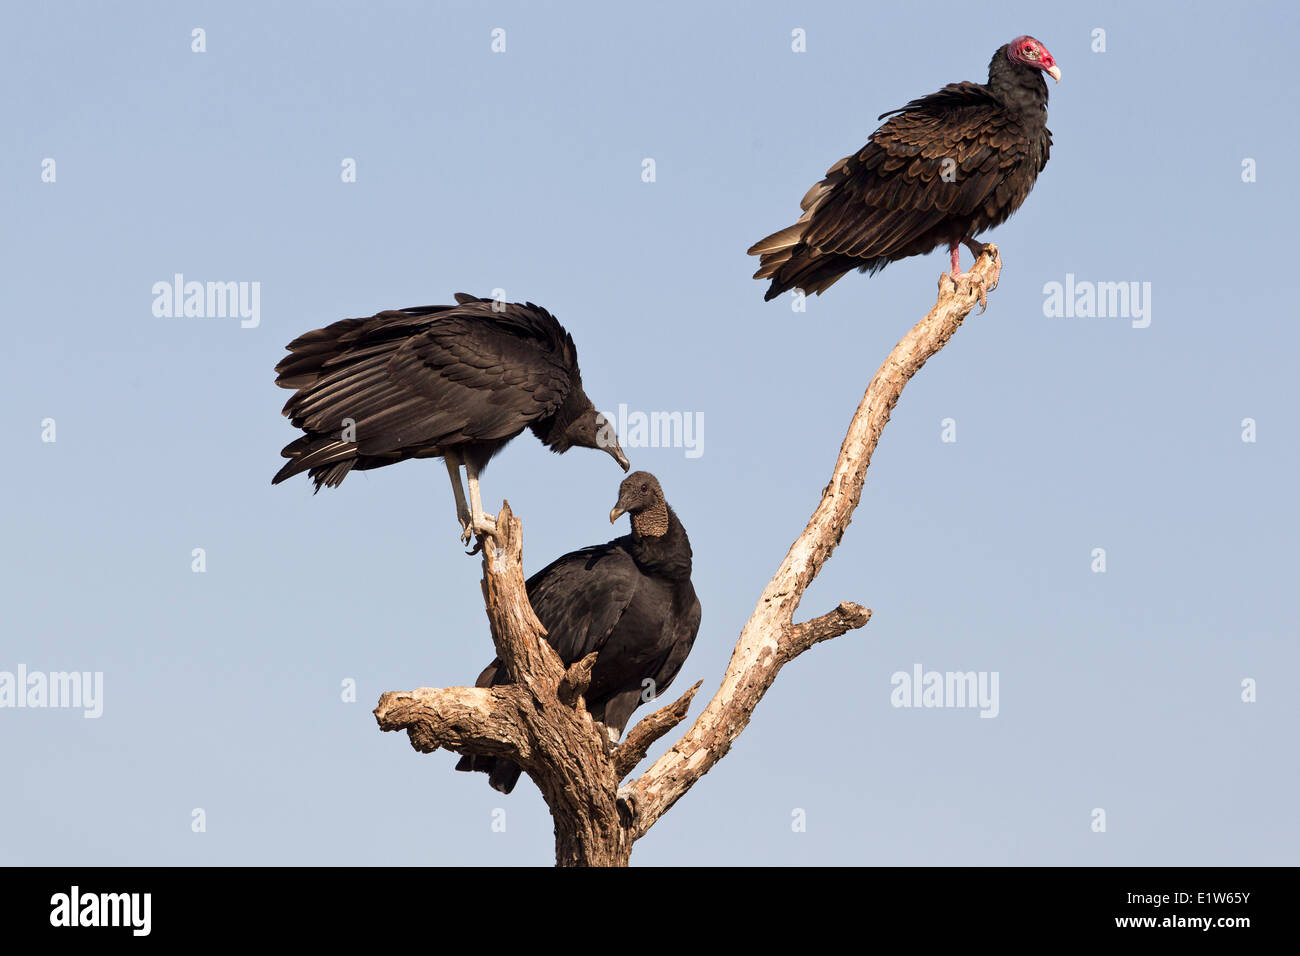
[1054,72]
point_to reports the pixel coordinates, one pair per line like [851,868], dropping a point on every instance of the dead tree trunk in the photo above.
[541,722]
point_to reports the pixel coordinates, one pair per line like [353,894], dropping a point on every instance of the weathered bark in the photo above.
[541,722]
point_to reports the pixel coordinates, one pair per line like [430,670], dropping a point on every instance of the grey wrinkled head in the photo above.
[641,497]
[592,430]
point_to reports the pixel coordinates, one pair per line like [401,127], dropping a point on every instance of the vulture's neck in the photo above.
[659,543]
[1022,88]
[552,431]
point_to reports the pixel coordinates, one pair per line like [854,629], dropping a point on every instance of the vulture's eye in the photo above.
[645,487]
[1029,50]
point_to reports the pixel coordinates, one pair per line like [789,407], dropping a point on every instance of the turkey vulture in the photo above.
[456,382]
[630,601]
[945,167]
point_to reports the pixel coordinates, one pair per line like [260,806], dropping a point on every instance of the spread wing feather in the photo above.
[413,381]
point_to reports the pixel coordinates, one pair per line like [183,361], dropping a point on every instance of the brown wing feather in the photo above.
[416,381]
[943,167]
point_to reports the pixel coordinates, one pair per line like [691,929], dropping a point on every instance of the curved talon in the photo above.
[977,282]
[485,528]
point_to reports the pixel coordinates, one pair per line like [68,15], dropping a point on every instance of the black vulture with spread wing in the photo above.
[456,382]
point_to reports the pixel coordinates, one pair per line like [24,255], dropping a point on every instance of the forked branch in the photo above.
[540,721]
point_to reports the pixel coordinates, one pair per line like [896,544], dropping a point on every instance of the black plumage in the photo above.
[943,169]
[630,600]
[451,381]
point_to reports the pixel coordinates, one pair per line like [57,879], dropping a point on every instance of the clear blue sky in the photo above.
[522,171]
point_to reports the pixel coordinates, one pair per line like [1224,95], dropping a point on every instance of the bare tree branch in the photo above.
[541,722]
[549,734]
[642,737]
[457,718]
[577,679]
[758,658]
[800,637]
[519,637]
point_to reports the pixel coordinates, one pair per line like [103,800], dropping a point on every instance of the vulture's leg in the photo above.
[480,523]
[956,259]
[462,509]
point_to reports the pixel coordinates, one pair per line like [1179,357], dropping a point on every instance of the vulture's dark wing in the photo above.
[952,96]
[893,192]
[683,640]
[438,375]
[580,597]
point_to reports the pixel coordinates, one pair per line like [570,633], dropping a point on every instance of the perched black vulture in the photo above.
[630,600]
[944,168]
[443,381]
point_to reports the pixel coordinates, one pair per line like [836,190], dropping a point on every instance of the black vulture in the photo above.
[630,600]
[944,168]
[456,382]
